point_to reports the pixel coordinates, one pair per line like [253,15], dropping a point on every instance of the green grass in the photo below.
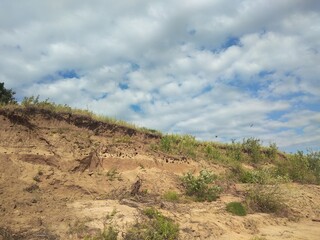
[171,196]
[266,199]
[155,226]
[298,167]
[236,208]
[201,187]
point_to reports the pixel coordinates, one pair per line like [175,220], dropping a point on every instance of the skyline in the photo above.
[211,69]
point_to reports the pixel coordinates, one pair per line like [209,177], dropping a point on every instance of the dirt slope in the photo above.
[62,175]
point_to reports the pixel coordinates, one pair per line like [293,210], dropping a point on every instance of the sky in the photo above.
[219,70]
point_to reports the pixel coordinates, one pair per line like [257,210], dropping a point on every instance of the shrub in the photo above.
[298,168]
[253,148]
[236,208]
[155,227]
[234,151]
[313,159]
[211,153]
[171,196]
[201,187]
[266,199]
[272,151]
[6,95]
[261,176]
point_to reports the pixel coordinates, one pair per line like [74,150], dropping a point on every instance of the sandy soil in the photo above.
[62,177]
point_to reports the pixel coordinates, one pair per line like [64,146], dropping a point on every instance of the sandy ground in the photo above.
[62,178]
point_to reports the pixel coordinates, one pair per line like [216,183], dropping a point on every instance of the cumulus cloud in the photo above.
[207,68]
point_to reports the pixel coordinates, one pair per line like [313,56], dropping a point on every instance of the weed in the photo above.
[183,145]
[236,208]
[266,199]
[155,227]
[109,233]
[211,153]
[201,187]
[113,174]
[272,151]
[234,151]
[298,168]
[260,176]
[171,196]
[252,147]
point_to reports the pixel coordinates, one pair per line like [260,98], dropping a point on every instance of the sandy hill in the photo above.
[69,176]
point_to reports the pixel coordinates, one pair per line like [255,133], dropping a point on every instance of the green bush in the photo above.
[313,159]
[155,227]
[211,153]
[234,151]
[252,147]
[266,199]
[272,151]
[201,187]
[261,176]
[6,95]
[300,168]
[236,208]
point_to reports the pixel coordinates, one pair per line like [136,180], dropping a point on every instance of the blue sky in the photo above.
[231,69]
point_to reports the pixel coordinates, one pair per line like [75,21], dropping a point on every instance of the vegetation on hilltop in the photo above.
[298,167]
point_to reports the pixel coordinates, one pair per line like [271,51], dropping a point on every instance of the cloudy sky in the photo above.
[216,69]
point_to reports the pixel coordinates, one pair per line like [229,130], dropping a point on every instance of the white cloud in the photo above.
[209,68]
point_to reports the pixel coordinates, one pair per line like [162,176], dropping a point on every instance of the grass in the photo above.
[171,196]
[109,233]
[154,226]
[266,199]
[236,208]
[113,174]
[202,187]
[298,167]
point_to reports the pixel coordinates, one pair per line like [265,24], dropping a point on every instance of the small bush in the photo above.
[171,196]
[201,187]
[236,208]
[260,176]
[211,153]
[272,151]
[299,169]
[155,227]
[266,199]
[252,147]
[234,151]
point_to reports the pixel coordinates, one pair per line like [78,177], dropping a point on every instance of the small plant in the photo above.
[272,151]
[113,174]
[201,187]
[6,95]
[236,208]
[179,144]
[171,196]
[298,168]
[266,199]
[211,153]
[109,233]
[154,227]
[252,147]
[234,151]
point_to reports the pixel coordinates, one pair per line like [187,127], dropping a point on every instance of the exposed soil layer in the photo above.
[62,175]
